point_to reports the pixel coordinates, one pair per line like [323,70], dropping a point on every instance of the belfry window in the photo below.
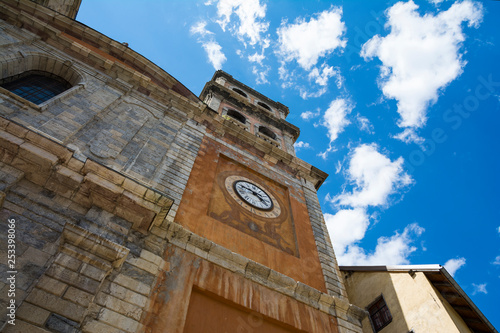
[265,106]
[236,115]
[240,92]
[266,131]
[379,314]
[35,86]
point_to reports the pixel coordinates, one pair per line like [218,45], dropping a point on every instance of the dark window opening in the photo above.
[236,115]
[265,106]
[240,92]
[379,314]
[266,131]
[35,86]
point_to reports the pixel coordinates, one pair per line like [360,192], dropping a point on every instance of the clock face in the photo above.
[252,197]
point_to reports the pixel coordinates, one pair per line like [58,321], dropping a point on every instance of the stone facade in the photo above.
[99,181]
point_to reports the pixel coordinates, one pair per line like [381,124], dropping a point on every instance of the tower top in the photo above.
[262,101]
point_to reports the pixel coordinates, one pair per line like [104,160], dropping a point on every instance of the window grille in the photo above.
[379,314]
[35,86]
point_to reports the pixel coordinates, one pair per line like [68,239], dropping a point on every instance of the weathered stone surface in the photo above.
[58,323]
[256,271]
[51,285]
[55,304]
[118,320]
[120,306]
[78,296]
[32,314]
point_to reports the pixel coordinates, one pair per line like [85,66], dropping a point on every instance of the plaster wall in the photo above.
[423,306]
[413,302]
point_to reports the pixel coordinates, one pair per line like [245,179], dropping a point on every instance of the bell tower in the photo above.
[250,206]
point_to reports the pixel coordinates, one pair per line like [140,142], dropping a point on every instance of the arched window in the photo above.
[240,92]
[266,131]
[35,86]
[265,106]
[236,115]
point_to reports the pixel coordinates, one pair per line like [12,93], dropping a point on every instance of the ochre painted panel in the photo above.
[285,244]
[274,227]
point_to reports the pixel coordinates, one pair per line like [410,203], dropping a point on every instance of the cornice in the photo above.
[229,77]
[271,153]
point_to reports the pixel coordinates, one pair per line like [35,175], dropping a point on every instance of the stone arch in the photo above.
[267,132]
[236,115]
[241,92]
[21,62]
[264,105]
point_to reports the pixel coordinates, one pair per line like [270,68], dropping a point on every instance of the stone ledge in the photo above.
[63,171]
[95,244]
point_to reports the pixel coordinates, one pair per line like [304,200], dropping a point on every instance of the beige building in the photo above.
[412,298]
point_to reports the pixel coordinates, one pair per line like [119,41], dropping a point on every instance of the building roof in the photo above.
[447,287]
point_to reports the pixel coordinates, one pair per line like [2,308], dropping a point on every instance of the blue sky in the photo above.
[398,101]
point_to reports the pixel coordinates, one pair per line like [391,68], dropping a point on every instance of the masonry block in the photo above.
[10,142]
[78,296]
[55,304]
[32,314]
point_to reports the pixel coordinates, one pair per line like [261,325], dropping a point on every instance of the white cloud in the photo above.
[394,250]
[310,114]
[207,41]
[304,94]
[479,288]
[346,227]
[251,15]
[335,118]
[200,28]
[256,57]
[498,229]
[497,261]
[364,124]
[408,136]
[321,76]
[453,265]
[338,167]
[375,177]
[421,55]
[306,42]
[324,154]
[260,74]
[301,145]
[214,53]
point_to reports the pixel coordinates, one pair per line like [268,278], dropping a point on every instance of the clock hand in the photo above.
[252,191]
